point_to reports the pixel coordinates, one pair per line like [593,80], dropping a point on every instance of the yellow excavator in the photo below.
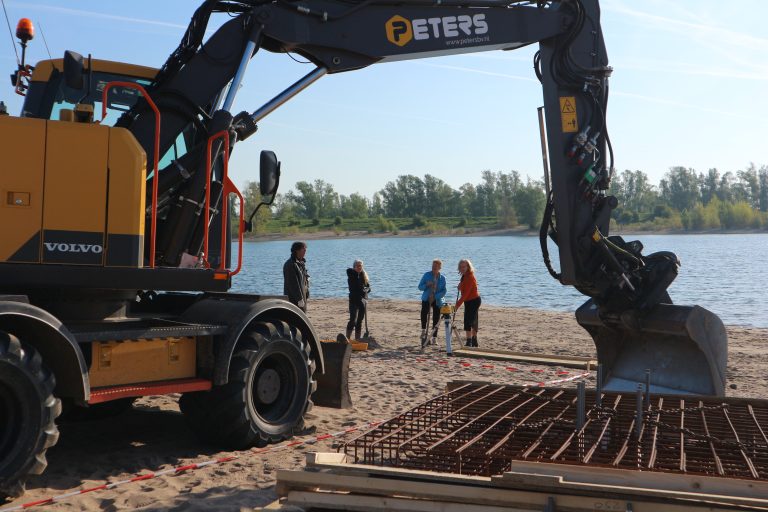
[116,252]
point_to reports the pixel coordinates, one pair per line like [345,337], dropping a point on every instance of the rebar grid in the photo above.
[479,429]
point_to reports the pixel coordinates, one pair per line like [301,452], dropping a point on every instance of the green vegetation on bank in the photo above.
[684,200]
[380,224]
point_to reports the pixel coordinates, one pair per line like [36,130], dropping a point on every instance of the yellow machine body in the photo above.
[116,363]
[74,192]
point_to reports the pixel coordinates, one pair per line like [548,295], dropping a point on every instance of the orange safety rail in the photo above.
[227,188]
[133,85]
[230,188]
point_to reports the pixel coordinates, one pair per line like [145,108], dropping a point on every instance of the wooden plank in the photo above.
[586,363]
[571,474]
[353,502]
[549,483]
[328,490]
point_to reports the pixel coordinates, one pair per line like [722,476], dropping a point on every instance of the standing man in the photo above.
[432,286]
[295,276]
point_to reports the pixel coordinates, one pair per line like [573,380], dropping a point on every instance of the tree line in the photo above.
[683,199]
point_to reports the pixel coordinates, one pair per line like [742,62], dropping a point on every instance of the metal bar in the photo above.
[250,46]
[470,423]
[654,453]
[599,439]
[718,462]
[639,412]
[445,395]
[544,153]
[451,415]
[479,429]
[599,387]
[484,432]
[749,462]
[289,93]
[521,422]
[581,398]
[682,436]
[647,389]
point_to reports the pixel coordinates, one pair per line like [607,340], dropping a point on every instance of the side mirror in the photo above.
[269,173]
[73,70]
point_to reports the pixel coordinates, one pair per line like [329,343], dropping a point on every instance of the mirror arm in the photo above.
[249,224]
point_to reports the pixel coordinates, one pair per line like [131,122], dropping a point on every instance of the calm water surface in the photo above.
[723,273]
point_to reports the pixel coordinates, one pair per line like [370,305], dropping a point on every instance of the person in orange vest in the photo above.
[470,297]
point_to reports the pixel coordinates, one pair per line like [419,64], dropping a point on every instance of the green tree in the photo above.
[634,191]
[680,188]
[252,198]
[762,176]
[315,200]
[353,207]
[377,208]
[404,197]
[486,194]
[469,202]
[529,203]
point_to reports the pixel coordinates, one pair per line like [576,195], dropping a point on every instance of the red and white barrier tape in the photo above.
[292,444]
[187,467]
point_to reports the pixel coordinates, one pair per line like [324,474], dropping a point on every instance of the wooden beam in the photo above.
[586,363]
[484,490]
[572,476]
[355,502]
[374,494]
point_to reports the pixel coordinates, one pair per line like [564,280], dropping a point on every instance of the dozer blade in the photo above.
[333,384]
[684,347]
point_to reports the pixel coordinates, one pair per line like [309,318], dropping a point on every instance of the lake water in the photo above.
[723,273]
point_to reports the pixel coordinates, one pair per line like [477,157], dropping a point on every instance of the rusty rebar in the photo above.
[479,429]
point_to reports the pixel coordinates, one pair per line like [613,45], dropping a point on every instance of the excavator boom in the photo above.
[627,289]
[630,315]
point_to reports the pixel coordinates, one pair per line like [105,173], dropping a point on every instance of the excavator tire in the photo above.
[268,393]
[27,413]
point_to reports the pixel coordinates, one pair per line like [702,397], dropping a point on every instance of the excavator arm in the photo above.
[629,313]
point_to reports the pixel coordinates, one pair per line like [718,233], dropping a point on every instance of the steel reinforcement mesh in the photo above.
[478,429]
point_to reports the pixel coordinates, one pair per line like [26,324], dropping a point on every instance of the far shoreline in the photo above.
[519,231]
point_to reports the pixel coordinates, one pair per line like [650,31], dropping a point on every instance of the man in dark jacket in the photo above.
[295,276]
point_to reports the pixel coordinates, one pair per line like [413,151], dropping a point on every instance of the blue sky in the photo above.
[689,88]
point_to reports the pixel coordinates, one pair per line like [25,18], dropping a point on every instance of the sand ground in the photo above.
[153,436]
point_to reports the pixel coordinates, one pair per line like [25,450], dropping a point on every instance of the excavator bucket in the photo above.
[333,384]
[684,347]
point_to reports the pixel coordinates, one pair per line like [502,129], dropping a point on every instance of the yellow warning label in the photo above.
[568,114]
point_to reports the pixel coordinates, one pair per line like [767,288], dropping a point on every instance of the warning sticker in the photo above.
[568,114]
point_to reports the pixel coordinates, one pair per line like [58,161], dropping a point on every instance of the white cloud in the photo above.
[477,71]
[98,15]
[663,101]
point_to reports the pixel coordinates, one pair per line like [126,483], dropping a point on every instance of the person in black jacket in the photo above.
[357,279]
[295,276]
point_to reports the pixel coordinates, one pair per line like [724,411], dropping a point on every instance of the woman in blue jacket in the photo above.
[432,286]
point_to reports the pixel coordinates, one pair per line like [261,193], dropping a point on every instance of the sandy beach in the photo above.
[383,382]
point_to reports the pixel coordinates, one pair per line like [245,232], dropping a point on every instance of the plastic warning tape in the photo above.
[188,467]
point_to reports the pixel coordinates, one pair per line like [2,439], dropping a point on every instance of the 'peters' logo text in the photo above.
[401,31]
